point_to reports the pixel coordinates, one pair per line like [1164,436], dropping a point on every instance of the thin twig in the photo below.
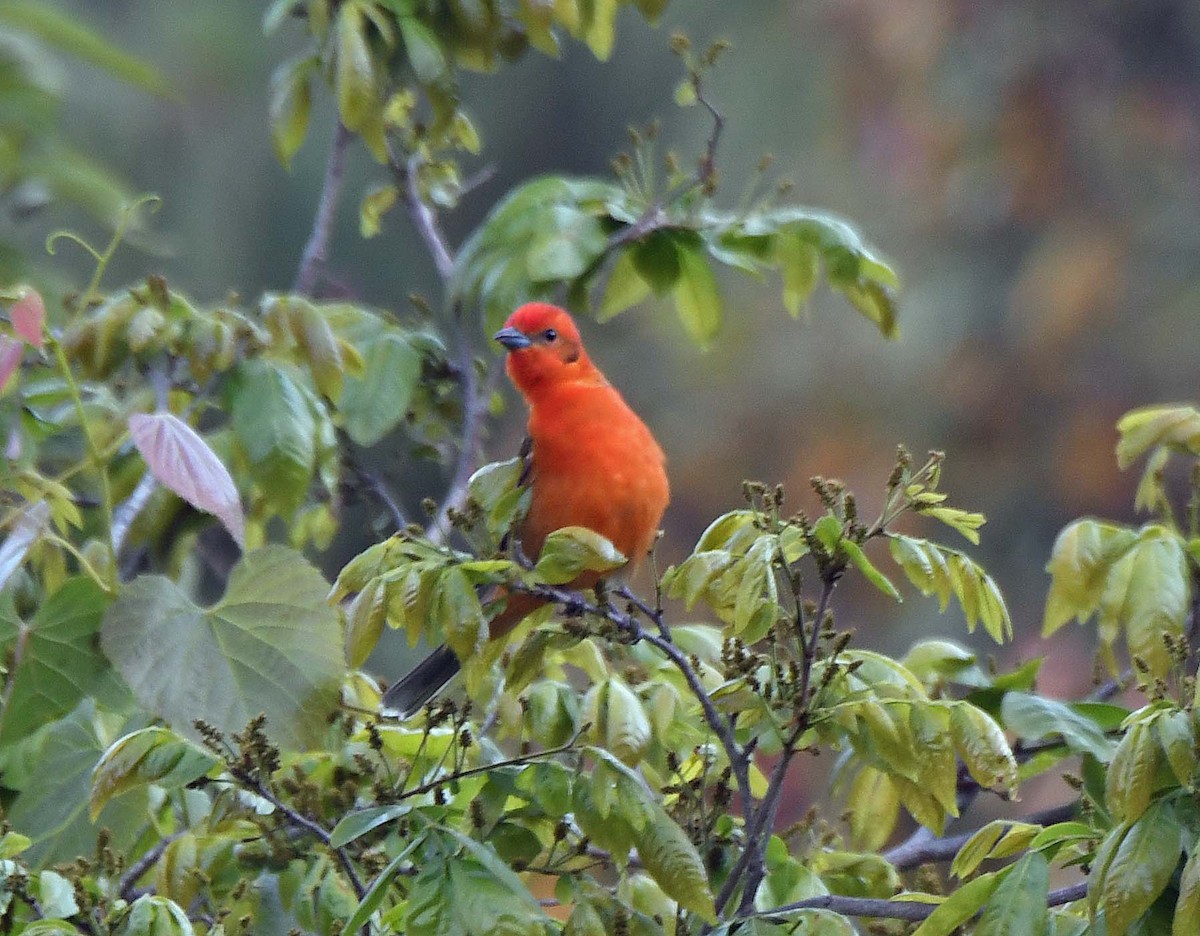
[125,888]
[302,821]
[517,761]
[575,603]
[316,250]
[127,511]
[476,394]
[752,863]
[423,217]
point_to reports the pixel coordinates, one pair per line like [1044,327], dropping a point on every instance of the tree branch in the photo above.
[573,603]
[316,250]
[423,217]
[910,910]
[125,888]
[923,847]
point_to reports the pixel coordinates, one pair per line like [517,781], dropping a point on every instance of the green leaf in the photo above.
[457,612]
[1147,596]
[424,52]
[56,895]
[58,662]
[1141,868]
[271,645]
[1175,735]
[375,204]
[571,551]
[656,260]
[355,78]
[939,570]
[290,106]
[151,755]
[651,9]
[1079,563]
[357,824]
[872,574]
[981,745]
[998,839]
[1187,907]
[697,299]
[1129,784]
[1035,717]
[151,915]
[365,618]
[618,720]
[667,854]
[375,403]
[477,893]
[799,265]
[568,244]
[12,844]
[1017,907]
[1177,427]
[65,33]
[625,288]
[959,907]
[52,808]
[275,426]
[600,28]
[874,807]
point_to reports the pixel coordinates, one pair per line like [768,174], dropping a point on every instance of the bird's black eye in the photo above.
[550,334]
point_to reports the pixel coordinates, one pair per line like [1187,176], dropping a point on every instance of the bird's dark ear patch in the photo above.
[572,353]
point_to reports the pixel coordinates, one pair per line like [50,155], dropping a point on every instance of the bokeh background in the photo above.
[1032,168]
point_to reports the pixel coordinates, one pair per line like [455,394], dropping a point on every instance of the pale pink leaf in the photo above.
[29,317]
[183,462]
[10,358]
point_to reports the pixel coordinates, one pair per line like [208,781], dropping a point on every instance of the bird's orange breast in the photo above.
[595,465]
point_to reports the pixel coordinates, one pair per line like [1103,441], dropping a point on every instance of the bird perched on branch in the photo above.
[593,464]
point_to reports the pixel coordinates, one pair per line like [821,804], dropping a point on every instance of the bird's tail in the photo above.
[409,694]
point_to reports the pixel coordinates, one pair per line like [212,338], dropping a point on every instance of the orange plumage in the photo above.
[594,464]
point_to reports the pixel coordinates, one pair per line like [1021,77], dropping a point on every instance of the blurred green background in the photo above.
[1030,168]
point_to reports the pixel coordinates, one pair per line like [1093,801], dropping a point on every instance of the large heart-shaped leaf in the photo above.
[271,645]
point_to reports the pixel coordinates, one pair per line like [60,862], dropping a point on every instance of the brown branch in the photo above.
[910,910]
[923,847]
[423,217]
[316,250]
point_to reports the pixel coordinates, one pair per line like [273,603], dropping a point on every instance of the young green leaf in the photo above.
[1143,429]
[1079,563]
[1141,867]
[1035,717]
[959,907]
[697,298]
[572,550]
[1129,784]
[290,106]
[1017,907]
[152,755]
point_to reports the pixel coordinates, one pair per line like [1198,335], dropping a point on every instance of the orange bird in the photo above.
[593,463]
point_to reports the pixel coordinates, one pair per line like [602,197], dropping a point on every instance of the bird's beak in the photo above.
[512,339]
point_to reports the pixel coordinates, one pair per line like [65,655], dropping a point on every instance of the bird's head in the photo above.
[543,347]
